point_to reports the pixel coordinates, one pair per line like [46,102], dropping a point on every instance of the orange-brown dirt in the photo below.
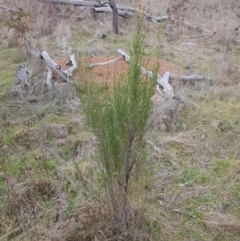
[116,70]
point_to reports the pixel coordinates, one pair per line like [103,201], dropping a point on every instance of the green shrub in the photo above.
[118,119]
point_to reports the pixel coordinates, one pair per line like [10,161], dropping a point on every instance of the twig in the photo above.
[104,63]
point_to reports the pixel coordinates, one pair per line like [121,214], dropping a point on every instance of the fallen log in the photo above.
[77,3]
[124,11]
[161,19]
[53,66]
[189,77]
[94,5]
[123,14]
[162,81]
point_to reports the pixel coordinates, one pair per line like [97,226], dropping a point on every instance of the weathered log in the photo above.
[77,3]
[189,77]
[162,81]
[52,65]
[134,10]
[97,5]
[161,19]
[123,14]
[73,64]
[89,4]
[125,9]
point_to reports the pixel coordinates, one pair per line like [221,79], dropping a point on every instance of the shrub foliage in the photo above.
[118,119]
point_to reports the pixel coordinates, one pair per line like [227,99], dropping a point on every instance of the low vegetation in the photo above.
[89,162]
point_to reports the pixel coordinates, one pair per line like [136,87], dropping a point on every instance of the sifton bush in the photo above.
[118,119]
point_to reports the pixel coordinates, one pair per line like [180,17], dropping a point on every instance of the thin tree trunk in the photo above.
[115,15]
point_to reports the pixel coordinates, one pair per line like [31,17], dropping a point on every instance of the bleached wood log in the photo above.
[121,13]
[104,63]
[167,88]
[189,77]
[162,81]
[124,9]
[161,19]
[74,66]
[66,75]
[97,5]
[77,3]
[134,10]
[90,4]
[125,55]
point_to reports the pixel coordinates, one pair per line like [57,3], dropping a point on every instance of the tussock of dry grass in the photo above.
[222,220]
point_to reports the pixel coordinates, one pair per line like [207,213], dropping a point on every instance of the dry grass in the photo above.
[49,181]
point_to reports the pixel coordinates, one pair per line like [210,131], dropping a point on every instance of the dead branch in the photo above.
[53,66]
[163,81]
[125,11]
[104,63]
[77,3]
[99,5]
[123,14]
[161,19]
[189,77]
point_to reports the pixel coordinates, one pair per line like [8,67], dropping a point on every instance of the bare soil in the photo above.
[117,70]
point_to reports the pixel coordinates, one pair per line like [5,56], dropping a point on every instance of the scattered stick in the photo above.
[104,63]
